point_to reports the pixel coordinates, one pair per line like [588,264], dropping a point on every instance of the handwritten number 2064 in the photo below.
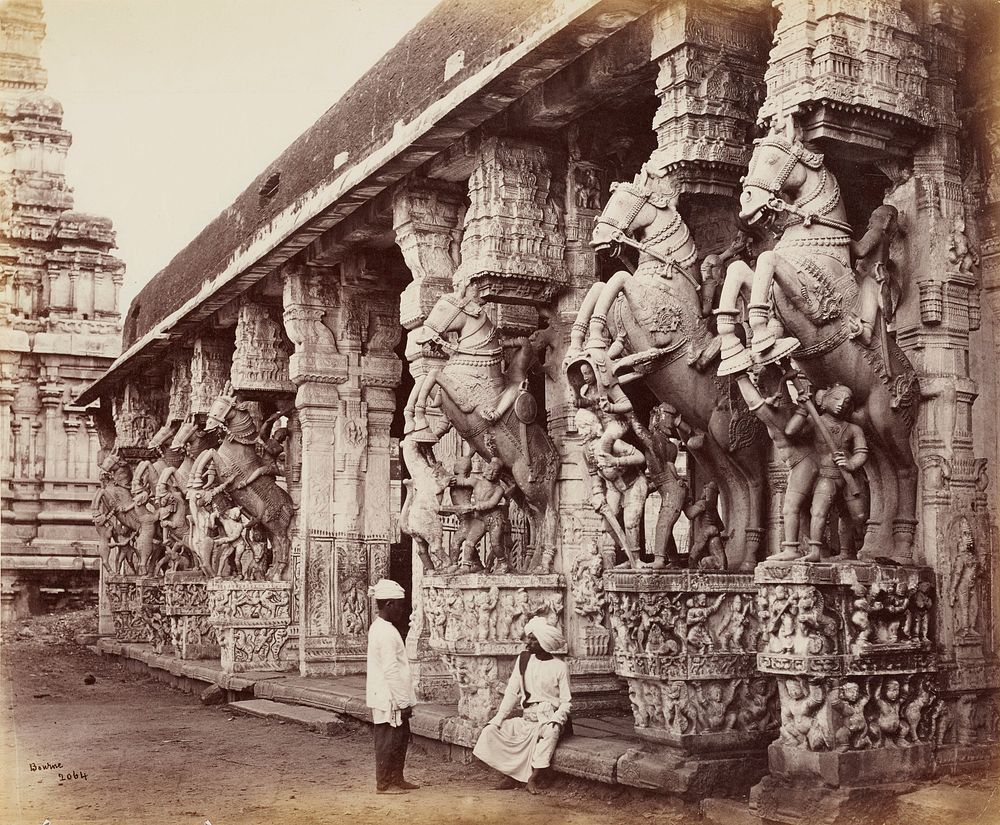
[72,775]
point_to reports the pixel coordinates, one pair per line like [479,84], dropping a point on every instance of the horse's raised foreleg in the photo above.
[421,393]
[598,326]
[735,357]
[582,321]
[765,342]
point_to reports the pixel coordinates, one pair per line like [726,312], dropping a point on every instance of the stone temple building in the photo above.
[59,331]
[571,275]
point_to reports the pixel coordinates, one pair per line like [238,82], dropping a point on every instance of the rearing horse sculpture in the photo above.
[808,282]
[245,477]
[473,390]
[655,314]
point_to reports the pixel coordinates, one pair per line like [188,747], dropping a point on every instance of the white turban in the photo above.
[548,637]
[386,589]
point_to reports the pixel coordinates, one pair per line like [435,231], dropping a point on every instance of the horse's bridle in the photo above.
[640,196]
[458,349]
[794,151]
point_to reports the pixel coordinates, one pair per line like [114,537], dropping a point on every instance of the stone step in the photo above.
[942,804]
[321,721]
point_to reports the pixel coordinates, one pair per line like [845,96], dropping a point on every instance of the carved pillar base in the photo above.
[686,644]
[852,647]
[251,622]
[186,608]
[476,624]
[10,599]
[137,610]
[105,622]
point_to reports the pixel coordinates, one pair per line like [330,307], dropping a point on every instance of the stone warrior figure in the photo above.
[777,412]
[965,584]
[487,516]
[707,547]
[661,453]
[612,469]
[877,279]
[841,449]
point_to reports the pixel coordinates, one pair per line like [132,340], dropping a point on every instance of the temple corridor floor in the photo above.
[131,750]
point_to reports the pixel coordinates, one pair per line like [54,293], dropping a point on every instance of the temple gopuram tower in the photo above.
[59,286]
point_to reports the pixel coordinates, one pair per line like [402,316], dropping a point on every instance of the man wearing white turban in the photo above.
[389,689]
[522,746]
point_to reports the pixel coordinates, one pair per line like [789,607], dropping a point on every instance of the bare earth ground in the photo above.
[134,751]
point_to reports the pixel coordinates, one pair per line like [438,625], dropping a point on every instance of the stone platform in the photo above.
[603,748]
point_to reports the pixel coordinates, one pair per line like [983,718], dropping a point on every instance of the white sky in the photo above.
[176,105]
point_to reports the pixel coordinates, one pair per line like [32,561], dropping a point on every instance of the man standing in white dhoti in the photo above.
[522,746]
[389,689]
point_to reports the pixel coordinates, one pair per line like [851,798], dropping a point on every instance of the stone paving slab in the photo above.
[322,721]
[589,758]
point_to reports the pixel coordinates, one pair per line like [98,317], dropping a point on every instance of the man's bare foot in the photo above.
[532,786]
[508,783]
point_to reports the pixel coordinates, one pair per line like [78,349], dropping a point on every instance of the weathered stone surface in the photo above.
[321,721]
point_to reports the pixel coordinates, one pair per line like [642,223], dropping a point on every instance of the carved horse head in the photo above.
[461,311]
[632,210]
[781,170]
[231,415]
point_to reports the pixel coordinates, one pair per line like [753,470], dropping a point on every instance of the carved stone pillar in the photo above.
[936,320]
[179,402]
[712,58]
[345,371]
[316,368]
[210,362]
[260,362]
[427,220]
[858,706]
[54,447]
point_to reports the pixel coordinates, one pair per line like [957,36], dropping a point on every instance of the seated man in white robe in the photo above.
[522,746]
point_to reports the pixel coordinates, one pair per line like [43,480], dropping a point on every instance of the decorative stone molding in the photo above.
[211,358]
[859,69]
[137,609]
[138,409]
[687,642]
[251,622]
[186,607]
[484,615]
[260,362]
[514,243]
[712,60]
[476,624]
[852,646]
